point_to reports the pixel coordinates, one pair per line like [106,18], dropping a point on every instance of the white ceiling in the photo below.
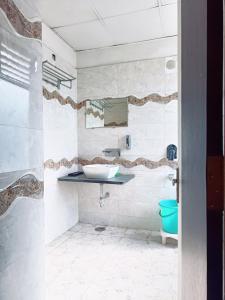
[89,24]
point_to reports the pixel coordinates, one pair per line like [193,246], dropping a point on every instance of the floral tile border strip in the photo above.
[130,164]
[152,98]
[50,164]
[131,99]
[19,22]
[63,101]
[26,186]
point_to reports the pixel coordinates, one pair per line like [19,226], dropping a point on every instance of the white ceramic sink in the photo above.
[100,171]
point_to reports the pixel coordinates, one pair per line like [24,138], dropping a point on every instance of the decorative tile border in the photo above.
[95,114]
[130,164]
[156,98]
[55,95]
[50,164]
[152,98]
[26,186]
[19,22]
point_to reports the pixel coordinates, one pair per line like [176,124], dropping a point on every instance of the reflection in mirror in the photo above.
[107,113]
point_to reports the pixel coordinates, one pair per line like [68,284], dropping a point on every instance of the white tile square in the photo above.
[108,8]
[85,36]
[169,18]
[66,12]
[135,27]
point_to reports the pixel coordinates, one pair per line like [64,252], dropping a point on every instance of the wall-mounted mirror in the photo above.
[107,113]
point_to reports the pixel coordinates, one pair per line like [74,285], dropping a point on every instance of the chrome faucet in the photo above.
[112,152]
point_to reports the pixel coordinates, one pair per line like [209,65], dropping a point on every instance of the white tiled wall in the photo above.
[21,138]
[152,127]
[60,141]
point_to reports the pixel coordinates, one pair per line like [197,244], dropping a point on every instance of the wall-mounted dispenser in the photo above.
[172,152]
[128,142]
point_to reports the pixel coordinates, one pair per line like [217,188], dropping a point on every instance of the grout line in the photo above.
[125,62]
[128,44]
[100,18]
[160,16]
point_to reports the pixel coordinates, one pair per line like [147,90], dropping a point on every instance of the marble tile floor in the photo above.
[116,264]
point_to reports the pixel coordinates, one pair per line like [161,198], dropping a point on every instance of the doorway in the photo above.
[201,148]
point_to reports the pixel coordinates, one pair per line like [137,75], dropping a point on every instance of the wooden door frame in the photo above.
[201,152]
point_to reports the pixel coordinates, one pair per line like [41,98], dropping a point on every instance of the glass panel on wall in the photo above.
[107,113]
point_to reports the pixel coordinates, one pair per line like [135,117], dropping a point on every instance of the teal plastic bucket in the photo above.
[169,215]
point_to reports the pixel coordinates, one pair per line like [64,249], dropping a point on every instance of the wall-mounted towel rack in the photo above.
[56,76]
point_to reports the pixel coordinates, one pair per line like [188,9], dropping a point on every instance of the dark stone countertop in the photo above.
[121,179]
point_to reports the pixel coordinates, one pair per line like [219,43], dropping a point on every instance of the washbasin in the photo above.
[100,171]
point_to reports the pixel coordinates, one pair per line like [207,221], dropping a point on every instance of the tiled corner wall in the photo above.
[152,126]
[60,141]
[21,161]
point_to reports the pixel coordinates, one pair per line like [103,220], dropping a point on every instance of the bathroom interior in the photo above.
[89,124]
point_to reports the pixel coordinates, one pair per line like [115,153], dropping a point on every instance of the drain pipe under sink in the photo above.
[103,195]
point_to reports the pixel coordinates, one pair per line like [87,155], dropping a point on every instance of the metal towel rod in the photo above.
[56,76]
